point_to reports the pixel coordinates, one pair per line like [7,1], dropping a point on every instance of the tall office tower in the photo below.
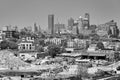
[87,20]
[51,23]
[70,23]
[35,28]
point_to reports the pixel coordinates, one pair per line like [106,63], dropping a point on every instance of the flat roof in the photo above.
[70,54]
[82,54]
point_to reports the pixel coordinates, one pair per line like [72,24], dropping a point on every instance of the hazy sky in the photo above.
[25,12]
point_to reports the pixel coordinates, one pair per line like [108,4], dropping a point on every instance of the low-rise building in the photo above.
[70,43]
[2,35]
[26,44]
[56,41]
[28,55]
[92,48]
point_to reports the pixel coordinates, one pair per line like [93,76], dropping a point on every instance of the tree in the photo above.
[4,44]
[25,31]
[16,35]
[116,56]
[64,43]
[85,37]
[40,49]
[12,45]
[8,44]
[42,35]
[22,32]
[62,49]
[80,36]
[82,71]
[100,45]
[94,37]
[41,42]
[53,50]
[48,43]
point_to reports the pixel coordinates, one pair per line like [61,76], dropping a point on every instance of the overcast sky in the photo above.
[25,12]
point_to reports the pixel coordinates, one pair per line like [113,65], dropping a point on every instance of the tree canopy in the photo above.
[4,44]
[100,45]
[8,44]
[53,50]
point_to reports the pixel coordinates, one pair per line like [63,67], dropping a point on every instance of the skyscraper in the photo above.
[70,23]
[87,20]
[35,28]
[51,23]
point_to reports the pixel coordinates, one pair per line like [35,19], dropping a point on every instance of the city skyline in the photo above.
[23,13]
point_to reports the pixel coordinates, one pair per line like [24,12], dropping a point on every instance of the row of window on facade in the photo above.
[26,46]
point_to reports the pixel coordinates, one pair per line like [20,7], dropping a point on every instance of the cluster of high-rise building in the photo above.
[82,26]
[74,26]
[109,29]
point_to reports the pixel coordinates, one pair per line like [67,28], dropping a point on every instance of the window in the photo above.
[26,46]
[23,46]
[69,51]
[30,46]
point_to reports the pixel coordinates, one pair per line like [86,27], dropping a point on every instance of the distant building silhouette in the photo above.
[83,24]
[110,28]
[87,20]
[51,23]
[70,23]
[35,28]
[29,28]
[58,27]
